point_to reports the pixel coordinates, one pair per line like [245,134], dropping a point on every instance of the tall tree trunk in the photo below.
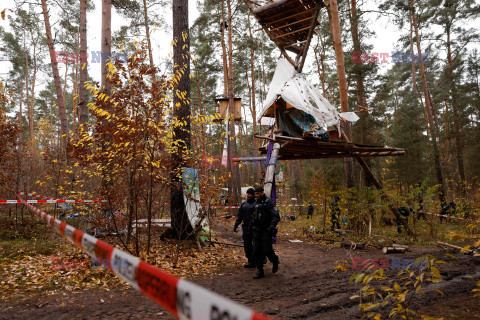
[56,78]
[456,120]
[253,108]
[31,126]
[77,66]
[361,95]
[342,83]
[82,91]
[149,44]
[428,107]
[234,182]
[201,111]
[106,43]
[181,102]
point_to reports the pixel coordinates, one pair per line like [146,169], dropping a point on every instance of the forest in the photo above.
[137,126]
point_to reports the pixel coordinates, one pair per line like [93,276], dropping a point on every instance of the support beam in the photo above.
[299,67]
[270,172]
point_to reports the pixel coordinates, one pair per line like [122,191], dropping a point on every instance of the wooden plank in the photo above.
[275,17]
[271,36]
[291,32]
[290,24]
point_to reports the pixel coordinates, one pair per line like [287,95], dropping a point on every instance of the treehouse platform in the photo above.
[309,147]
[290,24]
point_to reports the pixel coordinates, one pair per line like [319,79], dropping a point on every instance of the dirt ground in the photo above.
[306,287]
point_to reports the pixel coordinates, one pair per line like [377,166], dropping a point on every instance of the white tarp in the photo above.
[294,88]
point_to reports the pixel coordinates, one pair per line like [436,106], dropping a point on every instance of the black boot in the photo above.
[259,275]
[275,265]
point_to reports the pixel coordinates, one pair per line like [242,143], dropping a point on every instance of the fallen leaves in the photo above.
[69,269]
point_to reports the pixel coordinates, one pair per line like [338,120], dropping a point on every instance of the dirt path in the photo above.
[306,287]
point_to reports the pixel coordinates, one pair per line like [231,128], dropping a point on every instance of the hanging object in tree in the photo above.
[221,107]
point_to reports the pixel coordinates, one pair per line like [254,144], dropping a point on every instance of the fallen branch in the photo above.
[468,251]
[224,243]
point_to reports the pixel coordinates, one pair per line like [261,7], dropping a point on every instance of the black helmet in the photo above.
[259,189]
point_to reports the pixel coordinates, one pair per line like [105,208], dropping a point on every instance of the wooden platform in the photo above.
[313,148]
[290,24]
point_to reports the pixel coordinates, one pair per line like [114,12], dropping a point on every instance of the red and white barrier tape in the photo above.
[280,205]
[452,217]
[52,201]
[180,297]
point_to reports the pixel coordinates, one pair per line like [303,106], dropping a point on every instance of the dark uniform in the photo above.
[244,215]
[310,211]
[264,222]
[404,214]
[420,212]
[447,209]
[335,213]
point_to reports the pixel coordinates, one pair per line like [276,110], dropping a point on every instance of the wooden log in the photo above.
[388,250]
[400,246]
[352,245]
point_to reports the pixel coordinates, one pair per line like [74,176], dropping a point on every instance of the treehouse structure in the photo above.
[304,124]
[221,106]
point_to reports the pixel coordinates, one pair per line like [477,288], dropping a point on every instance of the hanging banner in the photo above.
[191,196]
[279,175]
[225,153]
[225,145]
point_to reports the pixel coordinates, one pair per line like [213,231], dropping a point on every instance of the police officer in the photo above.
[310,211]
[420,212]
[264,222]
[403,218]
[244,215]
[335,213]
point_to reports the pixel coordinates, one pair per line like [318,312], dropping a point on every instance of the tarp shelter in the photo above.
[290,91]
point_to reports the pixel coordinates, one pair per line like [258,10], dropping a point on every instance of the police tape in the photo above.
[452,217]
[53,201]
[180,297]
[279,205]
